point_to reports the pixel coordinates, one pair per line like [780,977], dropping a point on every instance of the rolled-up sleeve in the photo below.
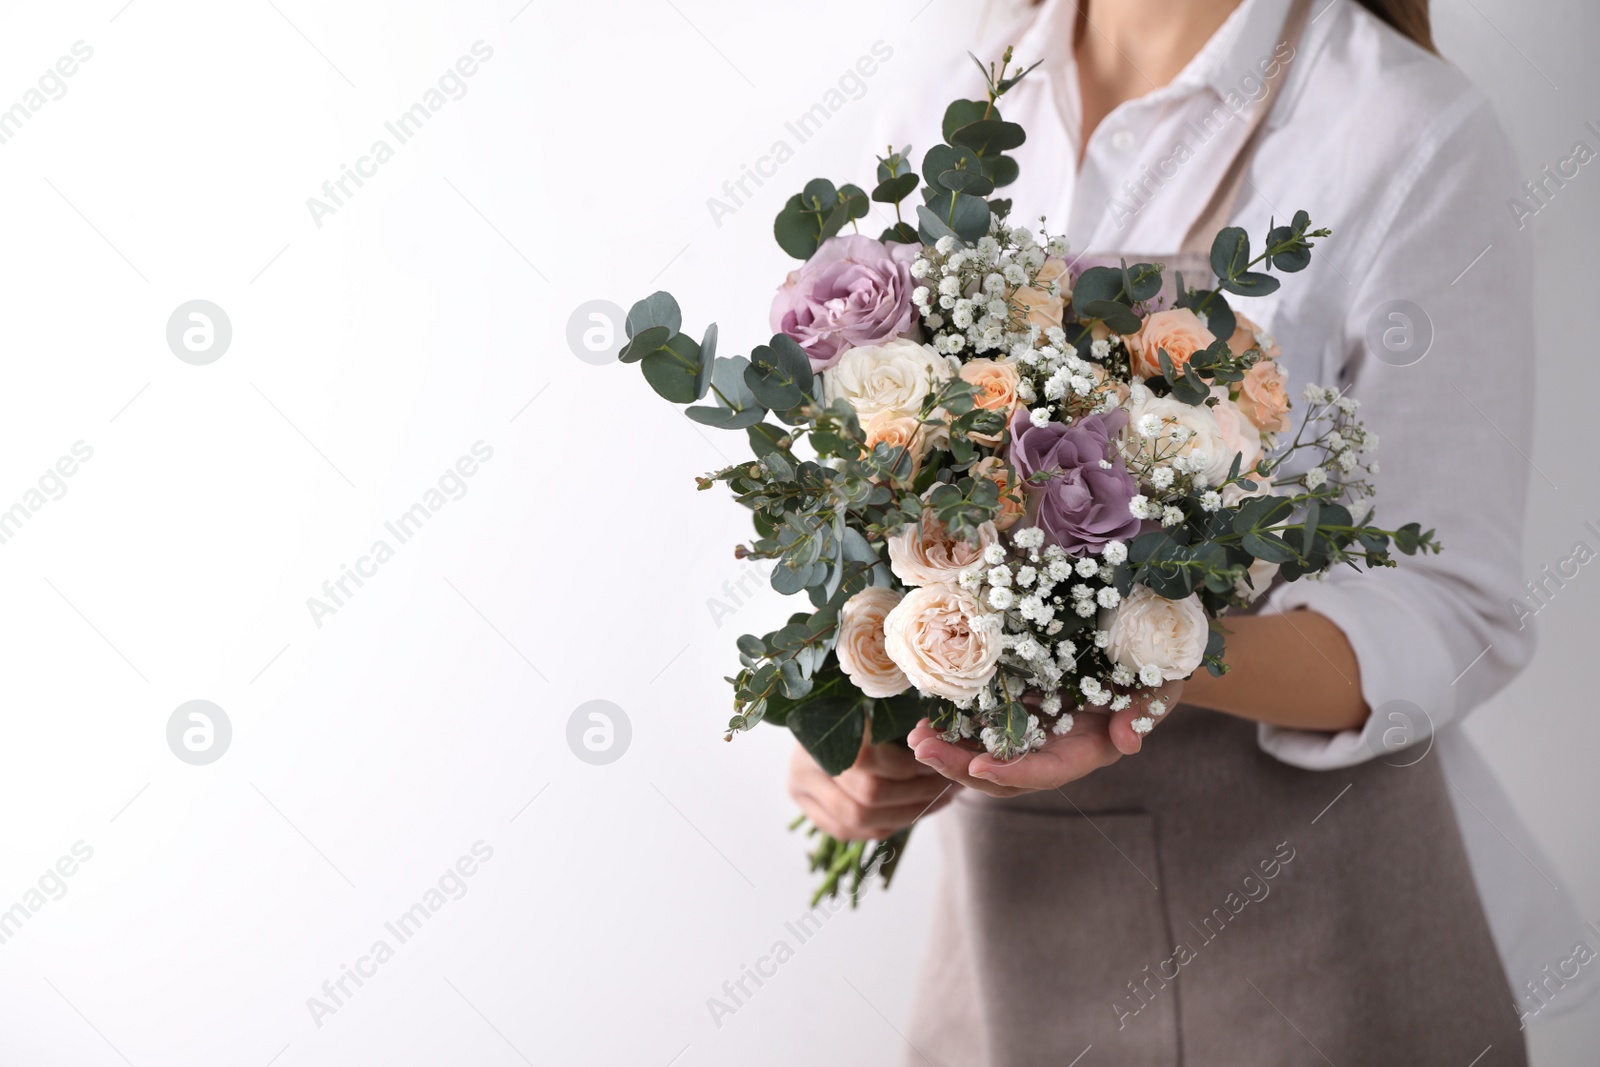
[1439,634]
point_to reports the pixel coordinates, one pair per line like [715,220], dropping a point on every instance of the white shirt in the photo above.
[1403,158]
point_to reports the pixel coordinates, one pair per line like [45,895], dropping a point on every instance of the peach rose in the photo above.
[1240,437]
[1247,335]
[925,554]
[1264,397]
[940,638]
[889,427]
[1148,630]
[996,385]
[860,645]
[1012,505]
[1179,331]
[1040,307]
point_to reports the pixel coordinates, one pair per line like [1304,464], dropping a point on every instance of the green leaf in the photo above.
[1002,170]
[1250,283]
[708,362]
[1142,281]
[644,342]
[830,725]
[990,137]
[854,198]
[942,157]
[970,218]
[673,369]
[795,230]
[1118,316]
[1267,546]
[741,410]
[792,360]
[819,194]
[900,233]
[1230,252]
[966,181]
[931,227]
[764,438]
[1407,537]
[962,113]
[894,717]
[1094,285]
[894,190]
[657,309]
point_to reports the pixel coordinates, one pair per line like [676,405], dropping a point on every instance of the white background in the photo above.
[427,314]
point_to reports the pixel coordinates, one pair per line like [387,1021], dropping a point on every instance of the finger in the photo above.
[1130,726]
[954,762]
[866,820]
[892,760]
[875,790]
[1064,758]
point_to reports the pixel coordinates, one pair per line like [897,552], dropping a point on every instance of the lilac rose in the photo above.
[853,291]
[1083,504]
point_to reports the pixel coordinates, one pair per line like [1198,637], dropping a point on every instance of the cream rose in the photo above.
[860,645]
[940,637]
[1040,306]
[1148,630]
[1239,435]
[1247,335]
[1179,331]
[924,553]
[1264,397]
[996,384]
[889,427]
[1012,504]
[894,376]
[1201,438]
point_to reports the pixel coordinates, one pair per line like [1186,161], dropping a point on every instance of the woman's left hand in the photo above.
[1096,740]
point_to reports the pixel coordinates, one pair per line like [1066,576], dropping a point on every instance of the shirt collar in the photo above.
[1229,63]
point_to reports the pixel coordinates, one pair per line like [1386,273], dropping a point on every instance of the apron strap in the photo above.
[1219,210]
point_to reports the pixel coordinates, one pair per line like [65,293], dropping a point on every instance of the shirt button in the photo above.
[1122,140]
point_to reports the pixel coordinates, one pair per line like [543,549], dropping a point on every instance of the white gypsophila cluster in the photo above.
[967,295]
[1035,593]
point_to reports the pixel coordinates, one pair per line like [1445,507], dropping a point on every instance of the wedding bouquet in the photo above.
[995,478]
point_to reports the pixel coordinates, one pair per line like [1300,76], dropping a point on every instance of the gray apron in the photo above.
[1203,904]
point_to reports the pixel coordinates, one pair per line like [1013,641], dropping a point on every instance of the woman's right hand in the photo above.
[884,791]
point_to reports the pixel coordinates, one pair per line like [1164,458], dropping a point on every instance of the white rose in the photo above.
[1147,629]
[924,553]
[938,636]
[1204,435]
[860,645]
[893,376]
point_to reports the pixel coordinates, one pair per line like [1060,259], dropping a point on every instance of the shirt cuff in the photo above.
[1405,669]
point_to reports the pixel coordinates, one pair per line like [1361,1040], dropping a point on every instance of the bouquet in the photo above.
[1010,491]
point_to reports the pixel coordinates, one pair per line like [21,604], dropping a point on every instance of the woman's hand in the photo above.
[1096,740]
[884,791]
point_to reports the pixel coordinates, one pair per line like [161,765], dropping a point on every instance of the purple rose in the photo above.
[853,291]
[1083,505]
